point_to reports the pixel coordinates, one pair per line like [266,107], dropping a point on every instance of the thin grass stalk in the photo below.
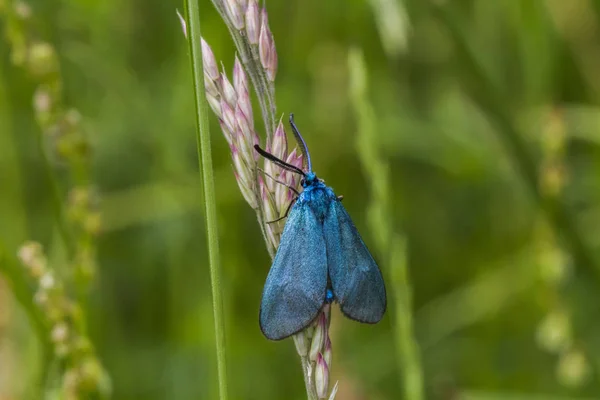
[57,199]
[9,266]
[264,82]
[18,285]
[15,30]
[62,322]
[311,393]
[555,333]
[389,243]
[205,165]
[408,351]
[266,104]
[21,291]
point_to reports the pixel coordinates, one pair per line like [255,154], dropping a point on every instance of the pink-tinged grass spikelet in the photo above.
[252,22]
[264,186]
[321,377]
[235,14]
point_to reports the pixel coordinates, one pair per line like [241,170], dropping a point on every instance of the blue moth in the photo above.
[321,258]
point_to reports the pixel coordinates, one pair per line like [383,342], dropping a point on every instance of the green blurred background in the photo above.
[486,118]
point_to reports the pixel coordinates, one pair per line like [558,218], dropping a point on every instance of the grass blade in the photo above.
[205,164]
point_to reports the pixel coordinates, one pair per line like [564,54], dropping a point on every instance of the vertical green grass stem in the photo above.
[205,164]
[389,243]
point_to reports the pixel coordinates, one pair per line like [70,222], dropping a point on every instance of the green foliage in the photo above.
[504,272]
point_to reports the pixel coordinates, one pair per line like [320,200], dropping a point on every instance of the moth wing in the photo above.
[355,277]
[296,285]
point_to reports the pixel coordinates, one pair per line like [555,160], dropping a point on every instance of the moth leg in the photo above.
[287,211]
[282,183]
[340,197]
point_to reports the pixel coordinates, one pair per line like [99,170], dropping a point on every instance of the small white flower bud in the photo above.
[279,146]
[209,62]
[573,369]
[226,132]
[59,333]
[234,12]
[301,343]
[240,80]
[210,86]
[245,104]
[246,192]
[321,377]
[228,116]
[327,354]
[47,281]
[318,337]
[22,9]
[252,22]
[228,91]
[42,101]
[215,104]
[266,47]
[183,23]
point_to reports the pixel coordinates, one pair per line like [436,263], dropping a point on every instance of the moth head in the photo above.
[309,179]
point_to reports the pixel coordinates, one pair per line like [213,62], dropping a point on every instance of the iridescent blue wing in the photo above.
[355,277]
[296,285]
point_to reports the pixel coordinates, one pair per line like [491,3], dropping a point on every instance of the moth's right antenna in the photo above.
[302,143]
